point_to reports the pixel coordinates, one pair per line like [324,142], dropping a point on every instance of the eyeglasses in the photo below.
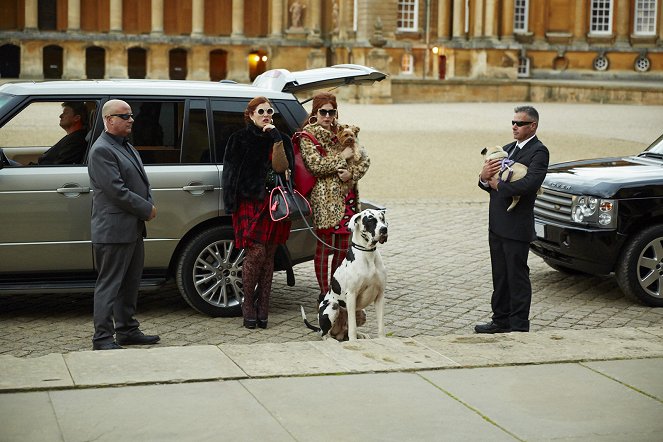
[269,111]
[521,123]
[325,112]
[123,116]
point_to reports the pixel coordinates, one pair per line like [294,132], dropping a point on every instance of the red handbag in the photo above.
[304,179]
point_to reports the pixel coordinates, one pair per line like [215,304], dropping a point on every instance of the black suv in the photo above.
[180,130]
[606,215]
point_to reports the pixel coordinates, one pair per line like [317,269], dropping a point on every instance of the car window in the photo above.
[157,130]
[195,148]
[228,117]
[42,133]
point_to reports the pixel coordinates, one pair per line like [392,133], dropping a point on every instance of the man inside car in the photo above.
[71,148]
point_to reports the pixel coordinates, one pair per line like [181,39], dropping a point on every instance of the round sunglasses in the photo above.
[269,111]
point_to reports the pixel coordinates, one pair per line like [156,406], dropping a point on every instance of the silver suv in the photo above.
[180,130]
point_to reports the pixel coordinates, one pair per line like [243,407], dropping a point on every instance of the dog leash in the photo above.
[312,231]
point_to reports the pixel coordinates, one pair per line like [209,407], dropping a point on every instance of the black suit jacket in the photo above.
[69,150]
[519,223]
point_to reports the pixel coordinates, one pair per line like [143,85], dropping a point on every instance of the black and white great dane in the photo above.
[358,282]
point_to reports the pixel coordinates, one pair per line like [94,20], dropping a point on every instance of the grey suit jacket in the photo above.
[121,199]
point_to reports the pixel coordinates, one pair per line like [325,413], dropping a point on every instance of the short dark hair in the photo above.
[79,109]
[529,110]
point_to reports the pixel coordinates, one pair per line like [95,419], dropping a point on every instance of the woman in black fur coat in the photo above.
[252,156]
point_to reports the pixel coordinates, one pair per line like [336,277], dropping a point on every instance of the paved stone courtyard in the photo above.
[438,283]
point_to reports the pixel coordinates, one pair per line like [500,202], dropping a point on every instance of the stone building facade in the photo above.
[412,40]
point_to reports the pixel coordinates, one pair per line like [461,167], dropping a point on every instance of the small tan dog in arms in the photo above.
[510,170]
[347,137]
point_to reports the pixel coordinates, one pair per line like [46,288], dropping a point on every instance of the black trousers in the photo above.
[512,290]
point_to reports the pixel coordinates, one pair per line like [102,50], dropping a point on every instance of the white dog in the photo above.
[359,281]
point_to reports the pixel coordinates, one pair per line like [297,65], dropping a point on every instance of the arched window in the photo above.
[10,61]
[95,62]
[52,61]
[257,63]
[137,62]
[218,65]
[177,64]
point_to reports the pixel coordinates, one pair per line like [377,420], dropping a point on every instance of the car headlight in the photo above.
[591,210]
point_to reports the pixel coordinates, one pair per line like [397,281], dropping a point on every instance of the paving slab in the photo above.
[202,411]
[369,407]
[28,417]
[48,371]
[288,359]
[546,346]
[554,401]
[387,354]
[140,366]
[641,374]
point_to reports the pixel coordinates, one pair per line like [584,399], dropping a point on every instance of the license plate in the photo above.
[540,230]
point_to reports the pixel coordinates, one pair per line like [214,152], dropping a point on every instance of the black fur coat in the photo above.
[246,164]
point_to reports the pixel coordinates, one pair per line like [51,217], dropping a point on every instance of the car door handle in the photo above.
[198,188]
[68,190]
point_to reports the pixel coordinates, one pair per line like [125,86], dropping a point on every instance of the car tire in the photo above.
[639,271]
[209,273]
[562,269]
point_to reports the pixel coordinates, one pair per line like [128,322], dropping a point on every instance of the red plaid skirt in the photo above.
[252,224]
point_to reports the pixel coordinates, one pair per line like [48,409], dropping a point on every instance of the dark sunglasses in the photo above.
[123,116]
[325,112]
[269,111]
[521,123]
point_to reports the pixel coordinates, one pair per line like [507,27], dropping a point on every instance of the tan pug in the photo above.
[509,172]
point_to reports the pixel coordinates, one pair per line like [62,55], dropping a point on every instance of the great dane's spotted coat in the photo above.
[359,281]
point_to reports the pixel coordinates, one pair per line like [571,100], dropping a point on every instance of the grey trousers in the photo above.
[120,267]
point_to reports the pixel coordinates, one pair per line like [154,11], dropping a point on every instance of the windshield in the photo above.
[5,100]
[655,149]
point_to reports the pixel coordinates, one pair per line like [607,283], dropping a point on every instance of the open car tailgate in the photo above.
[320,78]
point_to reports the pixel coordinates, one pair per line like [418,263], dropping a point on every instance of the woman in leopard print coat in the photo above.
[333,205]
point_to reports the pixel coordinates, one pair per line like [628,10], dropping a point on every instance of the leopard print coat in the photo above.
[327,197]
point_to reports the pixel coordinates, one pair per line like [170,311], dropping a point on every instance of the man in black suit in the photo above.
[121,203]
[509,233]
[71,148]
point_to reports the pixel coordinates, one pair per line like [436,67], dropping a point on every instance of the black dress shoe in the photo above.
[491,327]
[106,346]
[138,338]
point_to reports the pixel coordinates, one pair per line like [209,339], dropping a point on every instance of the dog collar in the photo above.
[362,248]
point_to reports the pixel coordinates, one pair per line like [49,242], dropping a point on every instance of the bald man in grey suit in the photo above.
[121,203]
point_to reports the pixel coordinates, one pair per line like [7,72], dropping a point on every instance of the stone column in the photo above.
[31,17]
[116,17]
[238,68]
[507,21]
[157,62]
[199,69]
[238,19]
[477,29]
[277,19]
[197,18]
[580,23]
[623,20]
[32,59]
[314,19]
[157,21]
[73,62]
[443,17]
[117,61]
[539,23]
[660,26]
[489,26]
[458,29]
[73,16]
